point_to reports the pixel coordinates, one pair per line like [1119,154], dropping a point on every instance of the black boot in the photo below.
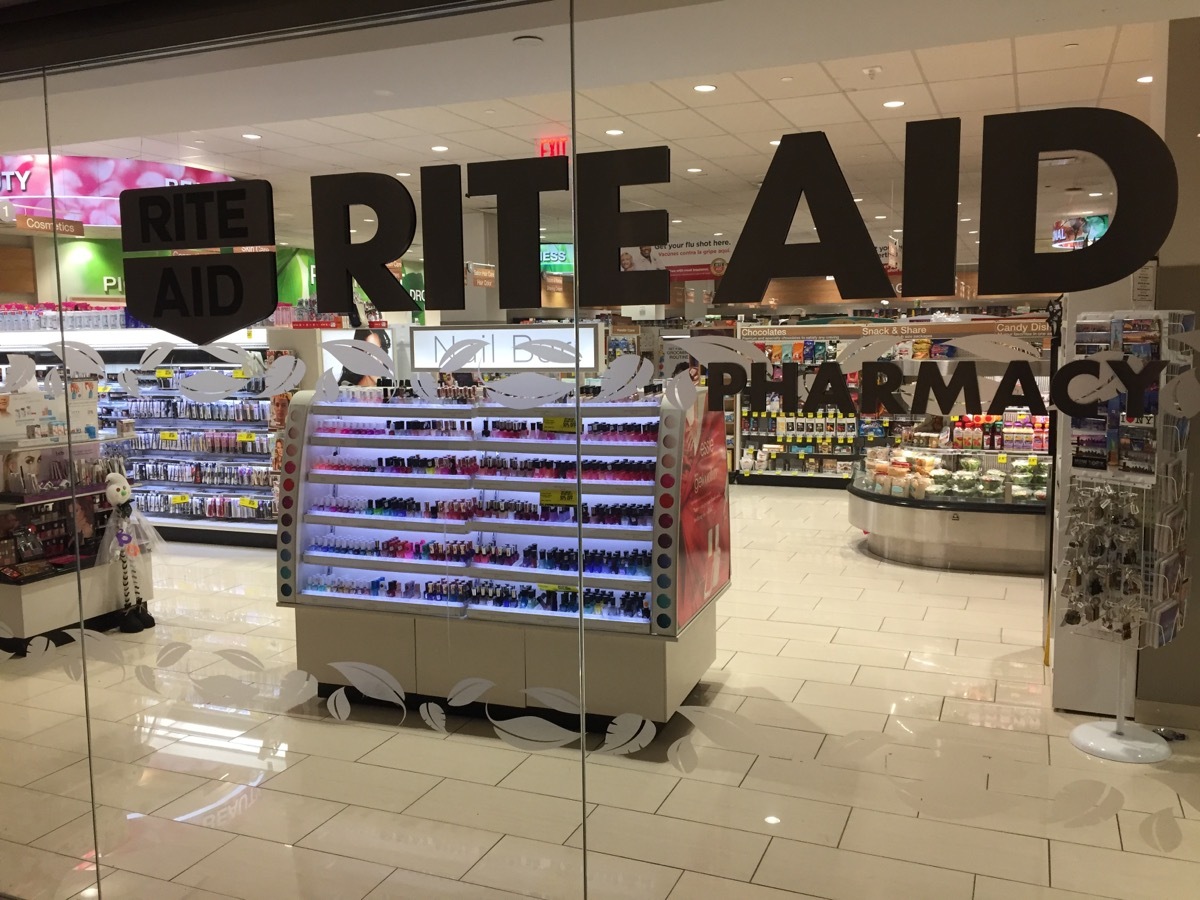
[142,612]
[130,623]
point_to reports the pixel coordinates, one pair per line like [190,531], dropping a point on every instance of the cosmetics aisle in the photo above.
[873,688]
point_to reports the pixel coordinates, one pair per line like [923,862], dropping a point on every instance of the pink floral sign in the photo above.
[87,188]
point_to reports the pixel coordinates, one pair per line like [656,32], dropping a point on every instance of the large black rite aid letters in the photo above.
[803,166]
[200,298]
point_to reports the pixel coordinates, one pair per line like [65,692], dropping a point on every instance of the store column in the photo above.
[1167,676]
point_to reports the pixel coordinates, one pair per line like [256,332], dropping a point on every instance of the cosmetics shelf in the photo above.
[657,629]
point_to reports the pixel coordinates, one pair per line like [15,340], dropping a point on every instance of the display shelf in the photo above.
[568,447]
[411,605]
[244,526]
[387,564]
[620,488]
[563,529]
[20,502]
[391,479]
[547,618]
[389,523]
[390,442]
[119,339]
[394,410]
[563,579]
[194,486]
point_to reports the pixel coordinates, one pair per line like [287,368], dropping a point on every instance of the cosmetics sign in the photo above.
[532,348]
[704,568]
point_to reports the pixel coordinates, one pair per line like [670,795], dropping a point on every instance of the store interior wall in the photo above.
[1167,676]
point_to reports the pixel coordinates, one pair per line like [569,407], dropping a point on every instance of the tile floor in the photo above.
[868,730]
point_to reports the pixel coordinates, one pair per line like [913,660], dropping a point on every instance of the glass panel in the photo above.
[51,518]
[866,708]
[362,675]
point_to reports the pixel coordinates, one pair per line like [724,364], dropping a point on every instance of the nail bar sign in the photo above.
[200,297]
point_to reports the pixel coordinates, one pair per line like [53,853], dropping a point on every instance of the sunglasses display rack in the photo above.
[200,467]
[469,538]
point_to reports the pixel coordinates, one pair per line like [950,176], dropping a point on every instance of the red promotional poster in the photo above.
[704,513]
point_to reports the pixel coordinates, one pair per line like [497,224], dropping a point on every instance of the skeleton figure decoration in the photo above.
[127,538]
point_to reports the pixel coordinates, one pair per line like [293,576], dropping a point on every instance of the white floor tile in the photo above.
[33,874]
[792,631]
[693,886]
[417,753]
[749,810]
[799,669]
[119,785]
[18,722]
[997,889]
[845,653]
[1009,718]
[353,783]
[255,812]
[27,815]
[336,740]
[131,886]
[871,700]
[1033,672]
[1015,745]
[940,629]
[405,885]
[1098,872]
[810,717]
[749,643]
[912,643]
[501,810]
[606,785]
[829,784]
[117,741]
[744,684]
[926,683]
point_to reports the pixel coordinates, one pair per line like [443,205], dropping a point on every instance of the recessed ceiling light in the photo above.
[704,88]
[198,142]
[614,132]
[977,242]
[973,232]
[787,78]
[881,217]
[774,143]
[368,220]
[252,137]
[677,221]
[964,220]
[489,112]
[773,820]
[829,278]
[858,199]
[718,233]
[1089,212]
[420,259]
[439,149]
[695,171]
[354,231]
[541,229]
[283,243]
[894,104]
[885,302]
[403,174]
[1096,194]
[1146,79]
[897,230]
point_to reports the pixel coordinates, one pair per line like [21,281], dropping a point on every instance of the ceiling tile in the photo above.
[431,120]
[495,113]
[728,90]
[973,122]
[1122,78]
[738,118]
[557,107]
[809,112]
[712,147]
[805,79]
[1039,52]
[961,61]
[1135,42]
[917,102]
[753,166]
[497,142]
[370,125]
[634,135]
[852,134]
[898,69]
[975,93]
[627,99]
[1059,86]
[680,123]
[268,139]
[1135,105]
[313,132]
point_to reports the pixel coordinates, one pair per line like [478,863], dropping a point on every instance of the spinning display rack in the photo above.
[448,538]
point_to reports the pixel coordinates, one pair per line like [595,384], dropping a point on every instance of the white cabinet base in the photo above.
[626,673]
[53,603]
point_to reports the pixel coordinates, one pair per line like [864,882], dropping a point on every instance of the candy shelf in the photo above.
[331,495]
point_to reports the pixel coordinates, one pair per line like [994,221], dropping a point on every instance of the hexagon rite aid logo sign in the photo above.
[200,297]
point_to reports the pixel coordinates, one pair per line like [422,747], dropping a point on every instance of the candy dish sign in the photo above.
[86,188]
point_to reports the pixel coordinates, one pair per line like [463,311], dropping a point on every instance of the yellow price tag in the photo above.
[248,502]
[103,388]
[246,436]
[554,587]
[559,497]
[179,498]
[239,373]
[1002,458]
[164,373]
[168,435]
[560,424]
[1033,460]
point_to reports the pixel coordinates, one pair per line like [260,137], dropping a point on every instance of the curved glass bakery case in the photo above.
[964,508]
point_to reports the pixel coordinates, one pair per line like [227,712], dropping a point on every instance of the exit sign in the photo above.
[552,146]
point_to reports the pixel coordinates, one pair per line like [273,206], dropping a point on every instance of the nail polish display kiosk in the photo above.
[448,541]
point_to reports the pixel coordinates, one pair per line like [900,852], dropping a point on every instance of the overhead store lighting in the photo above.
[1146,79]
[894,104]
[704,88]
[252,137]
[614,132]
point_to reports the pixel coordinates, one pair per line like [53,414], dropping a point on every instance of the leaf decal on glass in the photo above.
[682,755]
[628,733]
[434,716]
[21,373]
[210,385]
[526,390]
[554,698]
[1181,395]
[53,384]
[128,379]
[709,349]
[155,355]
[623,378]
[296,687]
[73,666]
[1085,802]
[171,654]
[468,691]
[230,354]
[549,351]
[1161,830]
[425,386]
[327,388]
[858,745]
[861,350]
[339,705]
[532,733]
[725,729]
[38,646]
[1087,389]
[996,347]
[953,798]
[362,357]
[285,374]
[225,690]
[680,392]
[147,676]
[460,354]
[247,662]
[81,360]
[98,645]
[372,681]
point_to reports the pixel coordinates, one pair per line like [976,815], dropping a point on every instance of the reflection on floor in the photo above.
[873,731]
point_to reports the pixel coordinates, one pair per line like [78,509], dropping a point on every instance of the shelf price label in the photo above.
[177,499]
[168,435]
[239,373]
[561,424]
[560,497]
[245,436]
[248,502]
[164,373]
[1001,458]
[1033,461]
[556,587]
